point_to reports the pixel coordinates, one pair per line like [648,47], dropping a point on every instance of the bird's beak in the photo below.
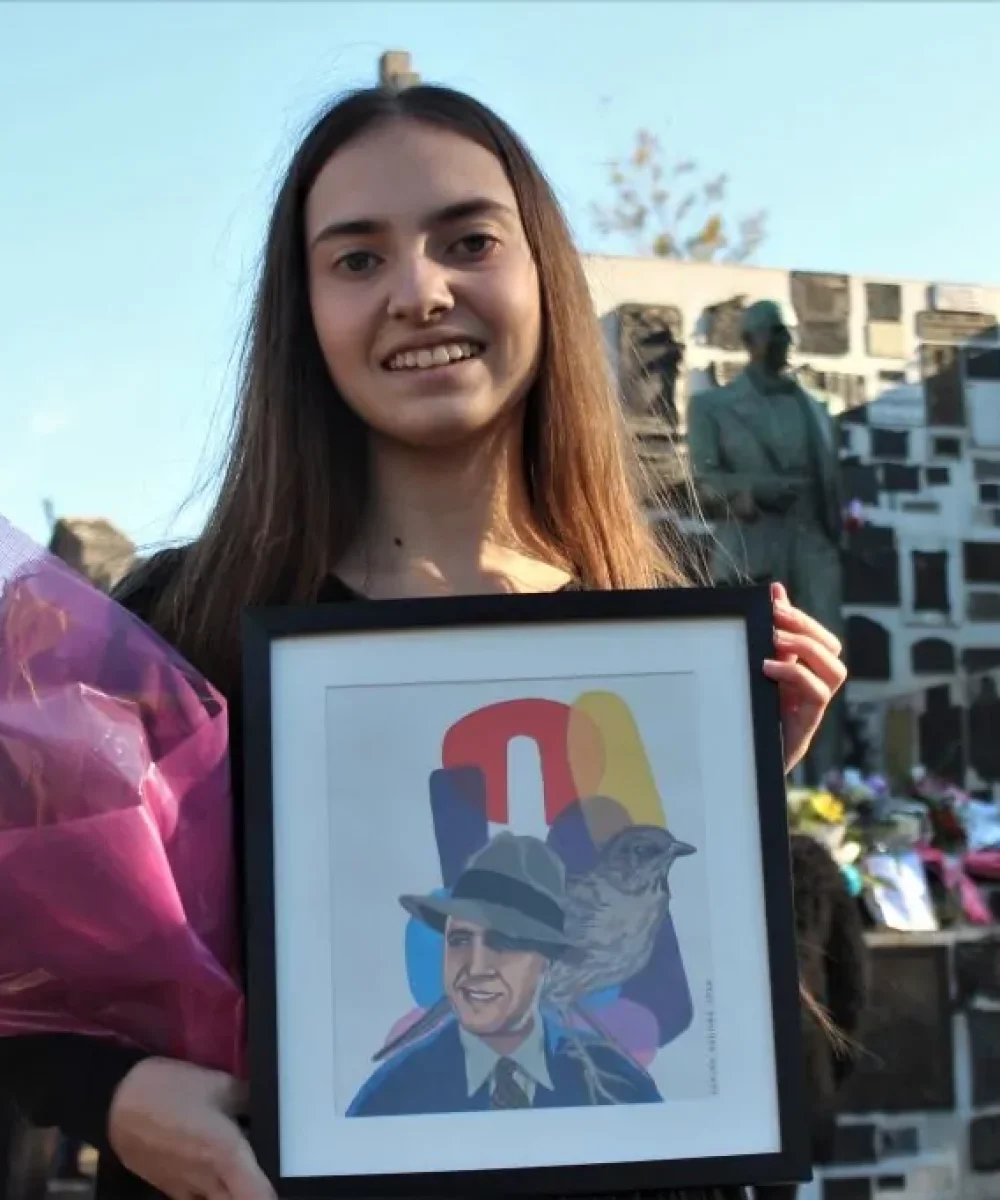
[682,850]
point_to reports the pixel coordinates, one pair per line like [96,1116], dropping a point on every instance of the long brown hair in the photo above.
[295,485]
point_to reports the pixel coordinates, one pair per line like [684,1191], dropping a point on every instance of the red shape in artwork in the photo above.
[481,738]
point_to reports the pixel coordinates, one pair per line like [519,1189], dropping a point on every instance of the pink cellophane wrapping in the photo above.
[117,871]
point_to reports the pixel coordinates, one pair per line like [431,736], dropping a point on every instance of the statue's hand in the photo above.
[743,507]
[775,497]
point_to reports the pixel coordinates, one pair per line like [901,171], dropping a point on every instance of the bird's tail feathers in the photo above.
[424,1025]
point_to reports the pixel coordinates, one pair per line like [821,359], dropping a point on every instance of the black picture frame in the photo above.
[629,615]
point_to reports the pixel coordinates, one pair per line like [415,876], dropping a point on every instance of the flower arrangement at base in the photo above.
[912,854]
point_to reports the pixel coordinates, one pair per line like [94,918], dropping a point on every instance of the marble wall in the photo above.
[911,369]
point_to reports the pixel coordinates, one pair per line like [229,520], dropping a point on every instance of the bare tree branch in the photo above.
[678,224]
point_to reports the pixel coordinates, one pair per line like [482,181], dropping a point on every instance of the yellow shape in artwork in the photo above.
[618,768]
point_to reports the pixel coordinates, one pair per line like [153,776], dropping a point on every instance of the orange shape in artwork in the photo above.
[481,739]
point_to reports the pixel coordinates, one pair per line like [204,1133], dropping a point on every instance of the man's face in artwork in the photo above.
[491,981]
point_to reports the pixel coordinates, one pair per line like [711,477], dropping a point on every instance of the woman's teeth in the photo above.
[436,356]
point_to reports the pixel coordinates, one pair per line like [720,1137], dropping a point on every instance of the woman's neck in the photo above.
[445,524]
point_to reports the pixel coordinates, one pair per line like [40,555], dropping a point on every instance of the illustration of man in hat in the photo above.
[503,926]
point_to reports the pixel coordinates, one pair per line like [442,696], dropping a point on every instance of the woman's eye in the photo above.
[355,263]
[477,245]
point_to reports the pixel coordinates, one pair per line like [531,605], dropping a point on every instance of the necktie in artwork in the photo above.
[507,1092]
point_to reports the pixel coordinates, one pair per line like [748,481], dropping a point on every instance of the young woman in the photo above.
[425,408]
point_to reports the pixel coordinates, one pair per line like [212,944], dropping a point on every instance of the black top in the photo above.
[68,1080]
[833,965]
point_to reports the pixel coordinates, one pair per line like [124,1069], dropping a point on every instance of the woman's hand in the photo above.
[808,672]
[173,1125]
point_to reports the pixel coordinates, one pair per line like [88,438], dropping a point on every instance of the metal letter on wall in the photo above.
[822,306]
[650,354]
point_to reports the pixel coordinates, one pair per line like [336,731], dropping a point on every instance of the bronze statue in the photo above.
[764,457]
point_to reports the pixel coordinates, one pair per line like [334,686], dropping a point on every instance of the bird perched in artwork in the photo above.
[613,913]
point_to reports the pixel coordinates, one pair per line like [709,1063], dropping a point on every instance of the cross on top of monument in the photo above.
[395,70]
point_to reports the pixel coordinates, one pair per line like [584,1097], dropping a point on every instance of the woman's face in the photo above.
[423,289]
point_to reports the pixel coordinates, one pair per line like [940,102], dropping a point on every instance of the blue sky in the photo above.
[141,142]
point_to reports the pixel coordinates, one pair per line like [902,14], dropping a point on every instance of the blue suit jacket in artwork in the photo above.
[430,1077]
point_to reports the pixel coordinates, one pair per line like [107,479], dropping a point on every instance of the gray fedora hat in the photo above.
[515,886]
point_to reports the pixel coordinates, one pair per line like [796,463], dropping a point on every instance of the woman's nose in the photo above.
[420,290]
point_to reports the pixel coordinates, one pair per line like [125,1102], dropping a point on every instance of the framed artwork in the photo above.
[519,897]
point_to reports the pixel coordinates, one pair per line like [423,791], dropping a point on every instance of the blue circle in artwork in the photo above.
[601,999]
[854,879]
[424,949]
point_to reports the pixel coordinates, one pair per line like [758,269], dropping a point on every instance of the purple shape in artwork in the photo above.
[570,838]
[632,1026]
[662,986]
[458,808]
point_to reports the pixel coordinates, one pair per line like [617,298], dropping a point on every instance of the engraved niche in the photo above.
[650,354]
[822,305]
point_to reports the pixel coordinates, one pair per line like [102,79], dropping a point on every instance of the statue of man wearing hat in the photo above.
[503,926]
[764,457]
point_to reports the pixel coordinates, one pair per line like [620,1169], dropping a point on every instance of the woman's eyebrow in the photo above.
[477,206]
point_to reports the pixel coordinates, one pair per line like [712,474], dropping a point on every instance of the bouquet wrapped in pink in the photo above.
[117,872]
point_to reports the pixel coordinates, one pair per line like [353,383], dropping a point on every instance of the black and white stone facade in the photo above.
[912,371]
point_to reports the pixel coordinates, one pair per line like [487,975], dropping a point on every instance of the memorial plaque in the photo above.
[984,469]
[884,301]
[902,407]
[868,650]
[860,483]
[890,443]
[941,372]
[984,1051]
[932,656]
[955,328]
[886,339]
[855,1143]
[984,725]
[982,606]
[898,477]
[941,733]
[976,659]
[981,562]
[822,305]
[983,365]
[722,324]
[819,296]
[925,507]
[903,1140]
[977,970]
[854,1188]
[984,1144]
[946,447]
[930,581]
[650,354]
[872,578]
[832,338]
[909,1008]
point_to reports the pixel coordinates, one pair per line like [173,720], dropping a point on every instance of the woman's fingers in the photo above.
[815,655]
[808,687]
[240,1173]
[794,620]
